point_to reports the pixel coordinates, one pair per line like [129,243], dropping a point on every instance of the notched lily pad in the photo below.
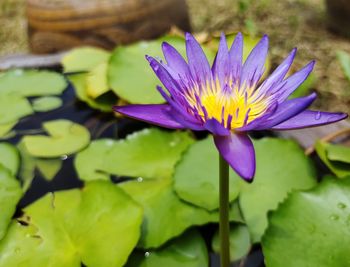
[27,83]
[84,59]
[311,228]
[9,157]
[9,114]
[65,138]
[10,194]
[276,176]
[188,250]
[98,226]
[150,153]
[196,177]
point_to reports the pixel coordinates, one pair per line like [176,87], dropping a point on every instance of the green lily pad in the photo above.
[9,157]
[65,138]
[98,226]
[130,75]
[338,153]
[240,244]
[276,176]
[48,167]
[101,103]
[46,103]
[166,216]
[10,194]
[150,153]
[96,80]
[188,250]
[196,177]
[338,167]
[344,60]
[9,114]
[311,228]
[84,59]
[6,128]
[27,83]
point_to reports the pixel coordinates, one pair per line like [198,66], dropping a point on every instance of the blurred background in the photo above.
[320,29]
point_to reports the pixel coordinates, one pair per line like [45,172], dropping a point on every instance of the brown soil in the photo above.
[289,23]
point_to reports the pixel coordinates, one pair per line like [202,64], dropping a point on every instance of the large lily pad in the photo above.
[9,157]
[65,138]
[97,83]
[80,85]
[9,114]
[335,158]
[150,153]
[31,83]
[166,216]
[10,194]
[130,75]
[196,177]
[5,129]
[188,250]
[99,226]
[240,244]
[84,59]
[311,228]
[281,168]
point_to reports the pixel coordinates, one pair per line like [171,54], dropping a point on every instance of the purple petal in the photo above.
[277,76]
[175,61]
[286,110]
[294,81]
[253,67]
[221,66]
[235,57]
[213,126]
[238,151]
[309,118]
[197,61]
[155,114]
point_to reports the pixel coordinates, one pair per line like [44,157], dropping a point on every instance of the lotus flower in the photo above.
[229,99]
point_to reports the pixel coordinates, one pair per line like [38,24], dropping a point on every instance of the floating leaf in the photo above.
[84,59]
[338,153]
[166,216]
[339,167]
[196,177]
[240,244]
[98,226]
[276,176]
[311,228]
[9,114]
[150,153]
[188,250]
[48,167]
[6,128]
[130,75]
[104,104]
[344,59]
[10,194]
[9,157]
[96,81]
[46,103]
[65,138]
[31,83]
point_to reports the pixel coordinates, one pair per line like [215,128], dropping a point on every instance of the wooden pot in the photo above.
[62,24]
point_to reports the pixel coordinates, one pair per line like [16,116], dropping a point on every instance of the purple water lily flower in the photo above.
[229,99]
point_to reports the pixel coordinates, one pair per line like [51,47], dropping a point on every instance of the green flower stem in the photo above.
[224,224]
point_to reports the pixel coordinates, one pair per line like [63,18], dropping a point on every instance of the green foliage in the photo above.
[311,228]
[46,103]
[74,226]
[9,158]
[281,168]
[150,153]
[344,60]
